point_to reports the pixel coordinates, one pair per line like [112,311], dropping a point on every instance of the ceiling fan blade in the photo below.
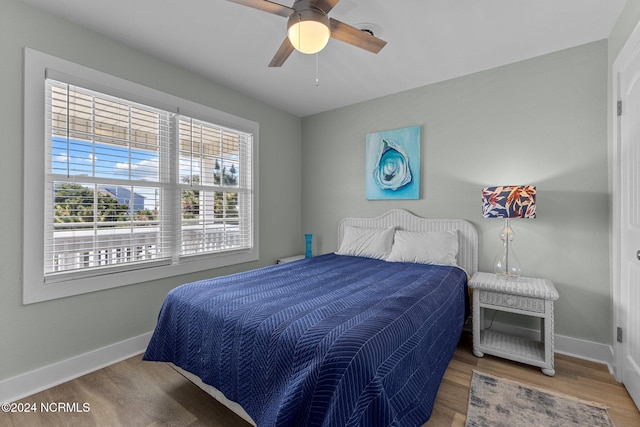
[266,6]
[348,34]
[282,54]
[325,5]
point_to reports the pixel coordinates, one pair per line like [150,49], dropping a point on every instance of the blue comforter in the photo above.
[327,341]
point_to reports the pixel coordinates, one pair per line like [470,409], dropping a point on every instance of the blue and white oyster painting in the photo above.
[393,164]
[392,170]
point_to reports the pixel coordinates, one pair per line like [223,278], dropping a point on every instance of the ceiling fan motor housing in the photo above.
[308,28]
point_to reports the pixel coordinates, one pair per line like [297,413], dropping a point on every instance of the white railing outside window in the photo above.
[82,249]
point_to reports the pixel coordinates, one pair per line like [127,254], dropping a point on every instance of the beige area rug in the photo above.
[497,402]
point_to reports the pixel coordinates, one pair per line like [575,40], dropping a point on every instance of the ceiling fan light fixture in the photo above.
[308,30]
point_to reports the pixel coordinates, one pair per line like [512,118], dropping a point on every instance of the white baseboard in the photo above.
[575,347]
[32,382]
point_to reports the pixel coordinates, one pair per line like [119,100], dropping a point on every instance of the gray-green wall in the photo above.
[41,334]
[542,121]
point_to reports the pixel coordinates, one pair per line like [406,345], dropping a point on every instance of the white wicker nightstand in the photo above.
[524,295]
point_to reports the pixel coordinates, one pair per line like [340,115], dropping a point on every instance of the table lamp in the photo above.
[508,201]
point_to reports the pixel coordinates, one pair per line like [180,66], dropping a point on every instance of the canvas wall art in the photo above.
[393,164]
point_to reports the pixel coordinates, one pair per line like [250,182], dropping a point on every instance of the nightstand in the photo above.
[523,295]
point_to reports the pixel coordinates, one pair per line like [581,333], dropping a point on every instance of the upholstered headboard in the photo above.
[404,220]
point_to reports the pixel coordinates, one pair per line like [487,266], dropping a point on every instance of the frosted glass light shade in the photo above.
[308,30]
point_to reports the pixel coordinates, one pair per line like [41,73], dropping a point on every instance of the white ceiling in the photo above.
[427,41]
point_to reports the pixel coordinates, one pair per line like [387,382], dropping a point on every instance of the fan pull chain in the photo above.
[300,31]
[317,78]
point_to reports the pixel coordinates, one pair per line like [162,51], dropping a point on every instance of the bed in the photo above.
[358,337]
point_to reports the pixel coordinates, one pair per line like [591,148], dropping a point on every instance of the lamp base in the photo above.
[506,264]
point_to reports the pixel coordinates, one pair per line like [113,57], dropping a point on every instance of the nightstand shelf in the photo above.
[525,296]
[507,346]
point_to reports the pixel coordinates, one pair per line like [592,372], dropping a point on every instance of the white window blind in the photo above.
[215,183]
[129,186]
[126,184]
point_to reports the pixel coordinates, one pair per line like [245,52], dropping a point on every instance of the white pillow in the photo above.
[429,247]
[366,242]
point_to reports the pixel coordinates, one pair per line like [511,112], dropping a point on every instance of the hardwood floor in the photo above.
[136,393]
[585,380]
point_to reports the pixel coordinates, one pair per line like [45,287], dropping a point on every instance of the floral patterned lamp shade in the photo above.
[508,201]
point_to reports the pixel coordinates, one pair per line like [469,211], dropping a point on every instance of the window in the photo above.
[135,184]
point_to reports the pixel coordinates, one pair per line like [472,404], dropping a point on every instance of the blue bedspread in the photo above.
[327,341]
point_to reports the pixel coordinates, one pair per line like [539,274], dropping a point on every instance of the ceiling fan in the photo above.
[309,28]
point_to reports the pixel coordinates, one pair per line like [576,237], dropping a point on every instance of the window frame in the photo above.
[37,67]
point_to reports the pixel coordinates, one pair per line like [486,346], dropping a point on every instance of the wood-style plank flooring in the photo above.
[136,393]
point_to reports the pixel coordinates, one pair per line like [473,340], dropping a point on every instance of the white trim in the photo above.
[586,350]
[35,291]
[621,61]
[32,382]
